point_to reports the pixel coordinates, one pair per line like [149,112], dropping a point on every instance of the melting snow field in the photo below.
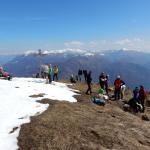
[16,107]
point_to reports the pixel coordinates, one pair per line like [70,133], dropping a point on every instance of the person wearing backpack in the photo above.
[142,97]
[55,75]
[89,81]
[118,83]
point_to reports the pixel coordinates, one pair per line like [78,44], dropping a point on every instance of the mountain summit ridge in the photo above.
[134,67]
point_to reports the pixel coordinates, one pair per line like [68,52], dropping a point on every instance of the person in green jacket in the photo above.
[50,73]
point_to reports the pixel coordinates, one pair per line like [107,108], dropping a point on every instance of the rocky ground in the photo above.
[86,126]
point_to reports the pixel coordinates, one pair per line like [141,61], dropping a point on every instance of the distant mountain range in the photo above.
[5,58]
[133,66]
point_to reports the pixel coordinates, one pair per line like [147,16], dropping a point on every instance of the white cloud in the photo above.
[135,43]
[96,44]
[104,41]
[131,43]
[123,41]
[93,43]
[74,44]
[137,40]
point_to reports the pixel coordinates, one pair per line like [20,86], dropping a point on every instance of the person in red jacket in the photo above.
[142,97]
[118,83]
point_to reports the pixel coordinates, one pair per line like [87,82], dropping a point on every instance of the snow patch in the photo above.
[17,106]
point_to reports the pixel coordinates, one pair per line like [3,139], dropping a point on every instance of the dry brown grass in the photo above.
[37,95]
[84,126]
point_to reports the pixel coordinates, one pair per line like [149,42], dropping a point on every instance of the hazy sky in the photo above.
[85,24]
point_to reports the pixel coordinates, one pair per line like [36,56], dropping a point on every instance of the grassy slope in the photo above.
[85,126]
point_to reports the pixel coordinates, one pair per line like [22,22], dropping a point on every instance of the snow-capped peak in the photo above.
[89,54]
[59,51]
[30,52]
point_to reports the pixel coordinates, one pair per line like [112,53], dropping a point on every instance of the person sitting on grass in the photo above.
[133,102]
[102,94]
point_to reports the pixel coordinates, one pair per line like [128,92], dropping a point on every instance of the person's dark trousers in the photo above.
[50,78]
[117,94]
[79,77]
[102,85]
[42,75]
[106,87]
[55,76]
[85,77]
[143,105]
[89,88]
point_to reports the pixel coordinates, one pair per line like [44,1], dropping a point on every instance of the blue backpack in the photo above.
[98,101]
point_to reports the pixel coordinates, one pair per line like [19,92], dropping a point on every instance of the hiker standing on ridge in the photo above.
[85,74]
[76,77]
[46,70]
[89,81]
[55,75]
[142,97]
[50,73]
[136,93]
[106,84]
[79,74]
[118,83]
[42,68]
[102,80]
